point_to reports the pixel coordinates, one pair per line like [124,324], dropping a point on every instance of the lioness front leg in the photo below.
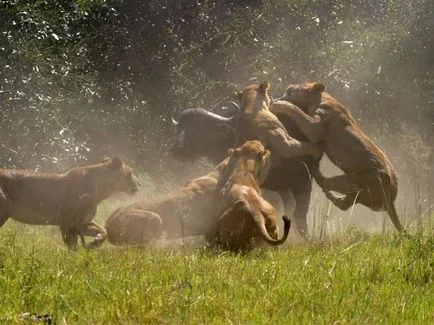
[288,147]
[311,126]
[92,229]
[343,184]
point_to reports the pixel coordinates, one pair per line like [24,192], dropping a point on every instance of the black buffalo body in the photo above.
[201,133]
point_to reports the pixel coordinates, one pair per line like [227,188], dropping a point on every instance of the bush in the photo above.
[91,78]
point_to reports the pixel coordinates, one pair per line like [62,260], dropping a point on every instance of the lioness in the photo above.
[206,134]
[143,221]
[131,225]
[247,215]
[369,176]
[258,123]
[68,200]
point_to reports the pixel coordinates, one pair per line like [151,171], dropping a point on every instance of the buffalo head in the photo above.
[201,133]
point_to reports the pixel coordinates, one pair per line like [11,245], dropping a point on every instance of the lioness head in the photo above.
[253,157]
[254,97]
[120,176]
[307,96]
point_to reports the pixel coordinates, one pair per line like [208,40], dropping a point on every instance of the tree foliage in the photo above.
[83,79]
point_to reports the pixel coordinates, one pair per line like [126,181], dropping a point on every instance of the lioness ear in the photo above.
[233,152]
[263,86]
[264,154]
[116,162]
[318,87]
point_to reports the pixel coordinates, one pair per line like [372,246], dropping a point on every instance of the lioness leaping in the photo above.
[369,176]
[246,214]
[68,200]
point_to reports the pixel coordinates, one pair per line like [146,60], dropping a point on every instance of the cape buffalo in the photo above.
[201,133]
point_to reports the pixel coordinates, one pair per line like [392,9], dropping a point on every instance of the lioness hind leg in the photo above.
[344,202]
[92,229]
[374,193]
[343,184]
[380,195]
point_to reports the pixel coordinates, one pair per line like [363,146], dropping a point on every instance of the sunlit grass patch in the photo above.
[354,278]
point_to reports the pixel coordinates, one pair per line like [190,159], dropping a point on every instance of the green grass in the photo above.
[354,278]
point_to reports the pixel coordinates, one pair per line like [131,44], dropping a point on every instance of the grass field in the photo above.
[352,278]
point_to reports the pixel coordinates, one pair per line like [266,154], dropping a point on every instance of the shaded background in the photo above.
[80,80]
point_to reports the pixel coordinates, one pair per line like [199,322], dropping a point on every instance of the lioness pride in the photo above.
[246,214]
[369,176]
[68,200]
[145,220]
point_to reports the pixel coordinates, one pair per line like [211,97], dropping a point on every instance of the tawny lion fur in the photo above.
[184,212]
[246,214]
[68,200]
[258,123]
[370,178]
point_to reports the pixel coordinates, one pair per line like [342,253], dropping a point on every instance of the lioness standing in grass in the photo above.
[246,214]
[369,178]
[68,200]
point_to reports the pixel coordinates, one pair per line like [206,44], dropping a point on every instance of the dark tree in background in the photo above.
[83,79]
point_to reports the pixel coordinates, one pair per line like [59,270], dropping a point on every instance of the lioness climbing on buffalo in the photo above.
[68,200]
[201,133]
[369,177]
[187,211]
[246,214]
[256,122]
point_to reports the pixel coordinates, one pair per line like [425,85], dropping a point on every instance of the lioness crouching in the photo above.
[143,221]
[247,215]
[68,200]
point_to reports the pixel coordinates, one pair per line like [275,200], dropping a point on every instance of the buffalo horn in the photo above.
[174,122]
[235,105]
